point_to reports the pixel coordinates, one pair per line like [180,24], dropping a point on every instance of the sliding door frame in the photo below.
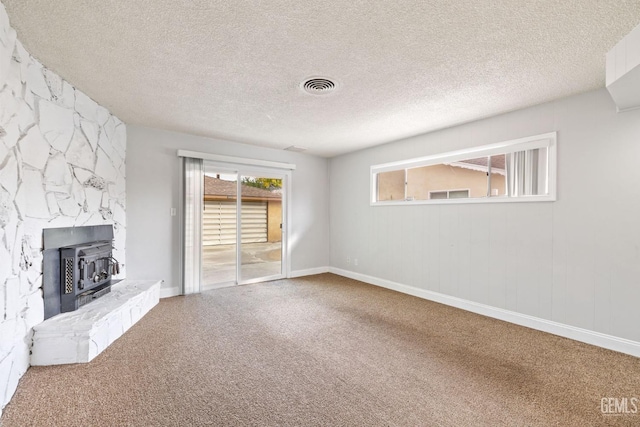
[240,166]
[259,171]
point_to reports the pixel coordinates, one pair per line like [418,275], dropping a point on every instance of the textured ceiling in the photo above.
[232,69]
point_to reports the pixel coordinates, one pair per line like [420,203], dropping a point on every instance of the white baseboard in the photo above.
[169,292]
[175,291]
[308,272]
[610,342]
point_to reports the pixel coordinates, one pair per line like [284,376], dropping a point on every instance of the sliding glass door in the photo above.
[219,228]
[261,227]
[243,238]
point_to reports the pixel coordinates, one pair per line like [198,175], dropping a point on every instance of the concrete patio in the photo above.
[258,260]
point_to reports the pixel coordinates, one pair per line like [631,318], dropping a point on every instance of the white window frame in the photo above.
[449,193]
[547,140]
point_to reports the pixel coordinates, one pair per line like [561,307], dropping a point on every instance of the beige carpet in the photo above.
[327,351]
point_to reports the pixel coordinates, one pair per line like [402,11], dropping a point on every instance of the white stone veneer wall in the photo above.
[62,164]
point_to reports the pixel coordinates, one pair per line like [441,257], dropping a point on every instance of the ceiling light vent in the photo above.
[318,86]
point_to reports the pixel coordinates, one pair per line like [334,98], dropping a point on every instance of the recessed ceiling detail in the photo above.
[318,86]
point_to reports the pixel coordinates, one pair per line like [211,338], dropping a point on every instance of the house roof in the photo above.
[235,70]
[221,188]
[497,162]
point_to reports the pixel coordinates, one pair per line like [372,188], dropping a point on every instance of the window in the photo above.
[511,171]
[449,194]
[391,185]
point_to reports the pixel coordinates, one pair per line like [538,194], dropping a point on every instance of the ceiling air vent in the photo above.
[318,86]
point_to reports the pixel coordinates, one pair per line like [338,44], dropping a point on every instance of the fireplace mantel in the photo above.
[79,336]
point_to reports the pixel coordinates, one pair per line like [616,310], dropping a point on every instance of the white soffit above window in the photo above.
[232,69]
[623,71]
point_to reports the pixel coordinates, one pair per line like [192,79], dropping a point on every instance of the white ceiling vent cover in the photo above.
[318,85]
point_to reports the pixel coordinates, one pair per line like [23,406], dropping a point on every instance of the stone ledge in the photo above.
[79,336]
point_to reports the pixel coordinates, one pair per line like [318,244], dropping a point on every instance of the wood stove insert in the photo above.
[78,266]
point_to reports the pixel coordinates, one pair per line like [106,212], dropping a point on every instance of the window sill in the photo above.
[521,199]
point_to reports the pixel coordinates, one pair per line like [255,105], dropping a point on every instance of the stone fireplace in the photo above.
[62,164]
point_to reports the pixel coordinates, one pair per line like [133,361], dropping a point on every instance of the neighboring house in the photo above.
[261,213]
[463,179]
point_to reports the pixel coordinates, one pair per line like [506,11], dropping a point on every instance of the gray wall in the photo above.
[575,261]
[153,188]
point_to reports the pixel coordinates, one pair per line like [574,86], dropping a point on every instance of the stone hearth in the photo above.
[81,335]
